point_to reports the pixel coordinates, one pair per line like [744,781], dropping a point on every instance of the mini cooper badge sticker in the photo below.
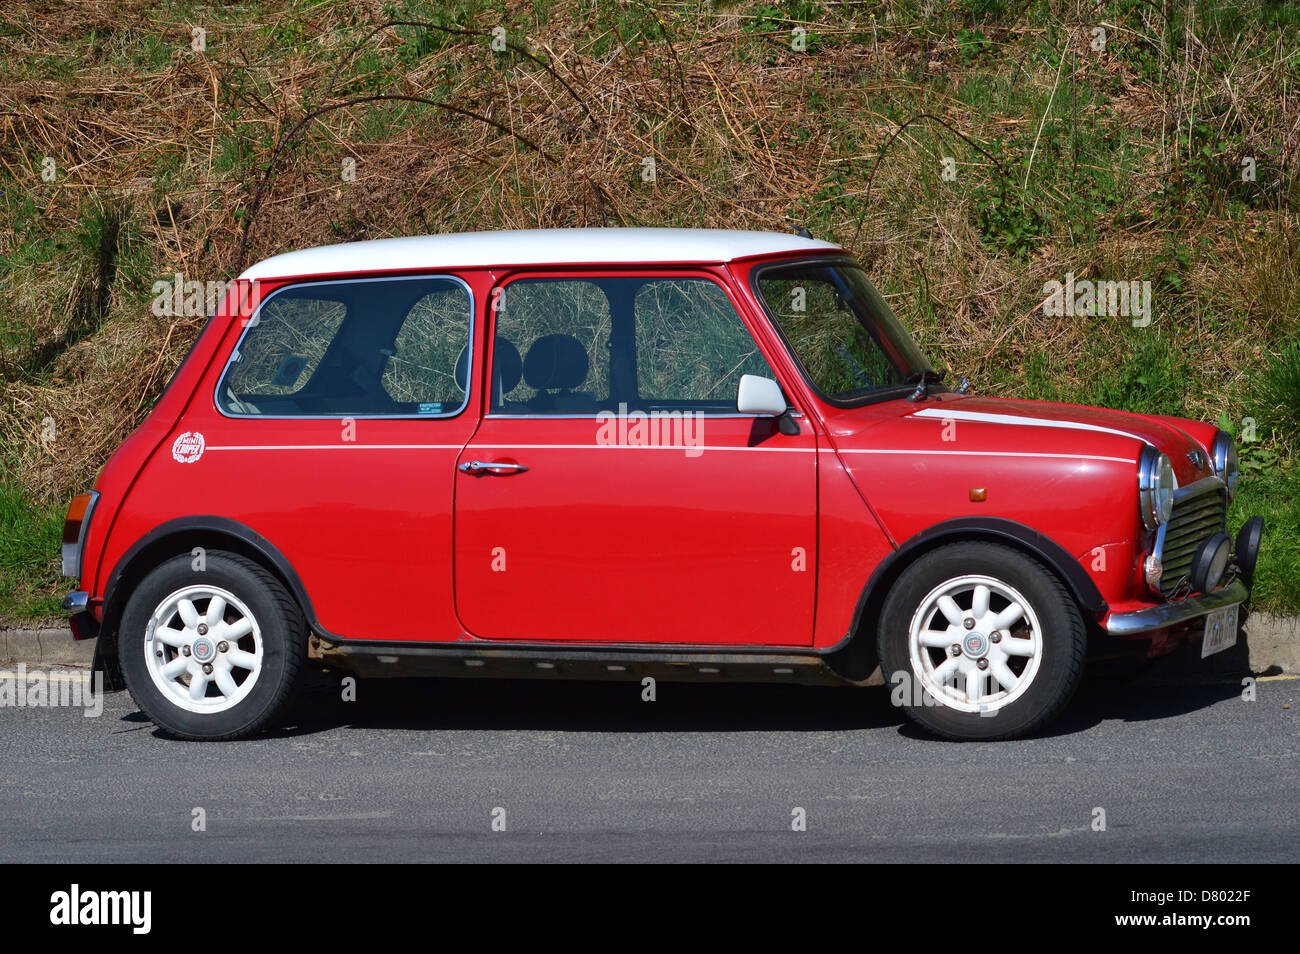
[188,447]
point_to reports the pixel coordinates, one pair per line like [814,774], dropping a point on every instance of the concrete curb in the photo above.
[1273,641]
[45,647]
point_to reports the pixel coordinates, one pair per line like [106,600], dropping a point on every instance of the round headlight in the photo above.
[1223,458]
[1156,486]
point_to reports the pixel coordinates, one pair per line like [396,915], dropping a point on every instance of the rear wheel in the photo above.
[212,653]
[980,641]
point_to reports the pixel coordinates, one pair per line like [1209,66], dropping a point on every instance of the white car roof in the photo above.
[534,247]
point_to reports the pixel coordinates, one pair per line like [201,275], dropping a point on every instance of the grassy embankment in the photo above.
[1123,164]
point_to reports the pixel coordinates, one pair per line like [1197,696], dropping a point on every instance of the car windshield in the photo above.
[849,342]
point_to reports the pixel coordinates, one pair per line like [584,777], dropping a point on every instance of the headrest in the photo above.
[507,370]
[556,361]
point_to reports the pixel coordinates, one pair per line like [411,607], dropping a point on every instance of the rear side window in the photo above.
[382,347]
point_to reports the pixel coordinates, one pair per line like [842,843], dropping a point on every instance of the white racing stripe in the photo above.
[992,418]
[979,453]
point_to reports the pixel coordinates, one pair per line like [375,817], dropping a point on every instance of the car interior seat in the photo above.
[554,367]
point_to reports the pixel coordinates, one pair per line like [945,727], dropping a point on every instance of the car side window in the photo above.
[284,345]
[551,348]
[691,346]
[423,368]
[579,346]
[389,347]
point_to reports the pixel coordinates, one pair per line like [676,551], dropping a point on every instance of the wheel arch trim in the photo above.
[250,542]
[987,529]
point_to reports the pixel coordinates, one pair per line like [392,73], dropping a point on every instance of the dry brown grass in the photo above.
[739,141]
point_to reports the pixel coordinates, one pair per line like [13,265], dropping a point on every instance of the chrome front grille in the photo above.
[1200,509]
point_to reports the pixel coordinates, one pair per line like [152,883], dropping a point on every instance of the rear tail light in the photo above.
[74,531]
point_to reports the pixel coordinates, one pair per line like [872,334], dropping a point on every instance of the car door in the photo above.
[334,433]
[612,492]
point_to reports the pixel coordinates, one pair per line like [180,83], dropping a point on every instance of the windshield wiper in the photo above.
[922,380]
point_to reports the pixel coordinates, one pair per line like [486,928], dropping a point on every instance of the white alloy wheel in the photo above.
[975,643]
[203,649]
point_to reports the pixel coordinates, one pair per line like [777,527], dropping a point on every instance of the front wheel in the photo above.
[213,652]
[980,641]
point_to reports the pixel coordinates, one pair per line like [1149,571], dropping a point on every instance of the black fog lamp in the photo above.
[1248,538]
[1211,562]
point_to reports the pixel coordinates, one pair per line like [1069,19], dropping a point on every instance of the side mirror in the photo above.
[762,397]
[757,395]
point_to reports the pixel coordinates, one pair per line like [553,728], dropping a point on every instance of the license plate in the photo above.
[1220,631]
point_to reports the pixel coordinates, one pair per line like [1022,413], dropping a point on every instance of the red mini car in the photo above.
[620,454]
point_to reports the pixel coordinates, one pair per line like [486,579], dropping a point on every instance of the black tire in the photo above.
[283,645]
[1060,660]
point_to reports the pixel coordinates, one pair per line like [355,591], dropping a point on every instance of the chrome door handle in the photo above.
[485,467]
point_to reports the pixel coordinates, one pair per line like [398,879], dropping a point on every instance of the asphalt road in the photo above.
[413,771]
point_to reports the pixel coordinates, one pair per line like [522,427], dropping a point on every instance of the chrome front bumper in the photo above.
[1179,611]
